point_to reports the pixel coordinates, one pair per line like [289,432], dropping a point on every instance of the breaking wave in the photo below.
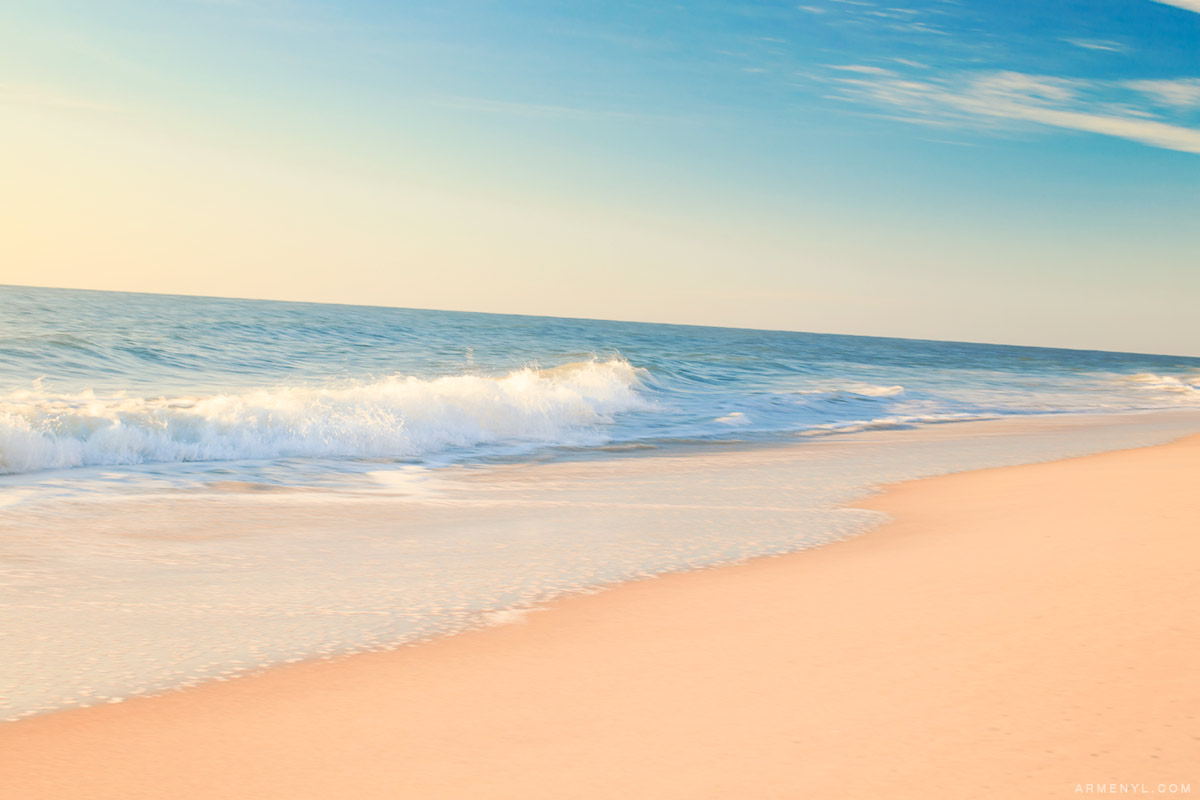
[1187,384]
[399,416]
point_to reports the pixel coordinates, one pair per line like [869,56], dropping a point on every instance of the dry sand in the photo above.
[1020,632]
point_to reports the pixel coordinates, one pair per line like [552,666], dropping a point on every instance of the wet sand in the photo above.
[1017,632]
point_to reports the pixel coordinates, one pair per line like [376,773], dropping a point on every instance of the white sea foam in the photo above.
[1188,384]
[854,388]
[398,416]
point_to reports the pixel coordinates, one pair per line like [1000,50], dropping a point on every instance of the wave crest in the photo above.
[1178,384]
[399,416]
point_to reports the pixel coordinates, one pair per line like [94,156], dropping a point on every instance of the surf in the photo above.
[394,417]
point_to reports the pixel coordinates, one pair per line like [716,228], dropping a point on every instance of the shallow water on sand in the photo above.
[108,596]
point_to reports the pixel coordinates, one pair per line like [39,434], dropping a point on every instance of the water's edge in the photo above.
[572,497]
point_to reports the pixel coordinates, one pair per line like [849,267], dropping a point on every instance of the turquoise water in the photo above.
[298,394]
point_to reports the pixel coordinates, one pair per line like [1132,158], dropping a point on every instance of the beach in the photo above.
[679,401]
[1016,632]
[579,401]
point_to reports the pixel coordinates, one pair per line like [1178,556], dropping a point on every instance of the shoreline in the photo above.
[353,564]
[906,660]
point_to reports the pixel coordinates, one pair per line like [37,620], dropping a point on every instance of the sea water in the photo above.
[191,488]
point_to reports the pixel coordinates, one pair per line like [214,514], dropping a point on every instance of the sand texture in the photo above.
[1015,632]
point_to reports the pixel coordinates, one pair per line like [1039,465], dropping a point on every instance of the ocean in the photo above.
[193,488]
[163,383]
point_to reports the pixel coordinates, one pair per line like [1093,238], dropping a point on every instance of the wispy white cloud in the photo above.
[993,99]
[918,27]
[1181,93]
[1190,5]
[882,17]
[862,69]
[1097,44]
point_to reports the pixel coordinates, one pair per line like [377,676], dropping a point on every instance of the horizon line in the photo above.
[595,319]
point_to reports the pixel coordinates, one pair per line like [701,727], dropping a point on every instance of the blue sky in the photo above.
[1020,172]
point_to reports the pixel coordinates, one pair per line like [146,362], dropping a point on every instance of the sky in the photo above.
[1015,172]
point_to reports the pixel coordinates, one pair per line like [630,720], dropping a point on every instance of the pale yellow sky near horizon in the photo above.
[96,204]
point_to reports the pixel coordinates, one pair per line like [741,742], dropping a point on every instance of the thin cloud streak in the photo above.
[982,100]
[863,69]
[1182,93]
[1187,5]
[1093,44]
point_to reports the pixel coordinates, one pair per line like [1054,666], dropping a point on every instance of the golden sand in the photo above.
[1015,633]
